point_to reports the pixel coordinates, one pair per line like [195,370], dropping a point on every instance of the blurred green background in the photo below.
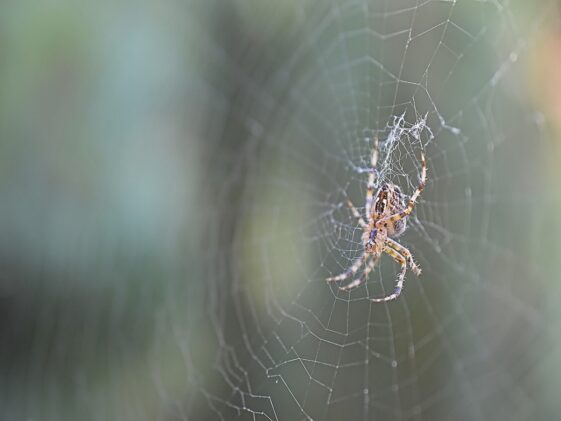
[171,175]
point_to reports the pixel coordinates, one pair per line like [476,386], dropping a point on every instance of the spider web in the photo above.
[297,93]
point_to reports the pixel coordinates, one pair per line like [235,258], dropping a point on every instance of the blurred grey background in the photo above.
[171,181]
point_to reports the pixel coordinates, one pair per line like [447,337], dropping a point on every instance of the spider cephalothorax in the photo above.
[386,218]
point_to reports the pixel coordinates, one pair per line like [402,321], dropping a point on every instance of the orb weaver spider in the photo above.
[386,218]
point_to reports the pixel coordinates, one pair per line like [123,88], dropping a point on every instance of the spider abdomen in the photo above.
[389,201]
[398,228]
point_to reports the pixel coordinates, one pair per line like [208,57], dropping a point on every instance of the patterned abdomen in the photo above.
[389,201]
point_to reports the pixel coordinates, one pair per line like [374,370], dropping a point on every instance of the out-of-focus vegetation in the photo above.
[99,166]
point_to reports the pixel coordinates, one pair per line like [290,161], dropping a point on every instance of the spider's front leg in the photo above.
[360,280]
[350,271]
[400,279]
[405,252]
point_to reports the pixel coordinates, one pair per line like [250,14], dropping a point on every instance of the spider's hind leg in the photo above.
[356,214]
[371,180]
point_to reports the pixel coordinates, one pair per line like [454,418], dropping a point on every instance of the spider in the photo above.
[386,218]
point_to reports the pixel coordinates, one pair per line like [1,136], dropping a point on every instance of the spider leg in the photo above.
[362,278]
[350,271]
[396,217]
[371,174]
[406,253]
[400,279]
[356,214]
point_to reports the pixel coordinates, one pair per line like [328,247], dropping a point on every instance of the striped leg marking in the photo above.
[360,280]
[400,279]
[405,252]
[371,179]
[349,272]
[356,214]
